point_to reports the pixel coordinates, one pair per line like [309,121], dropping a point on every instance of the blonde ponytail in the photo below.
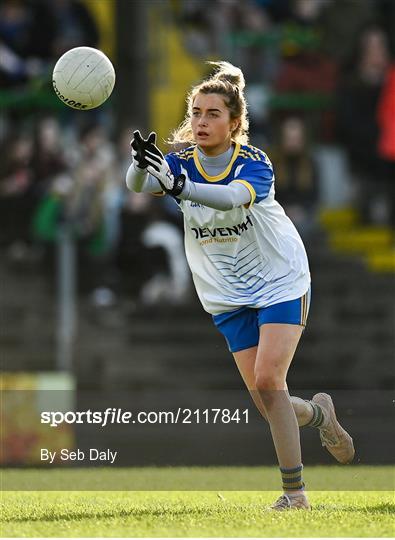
[230,73]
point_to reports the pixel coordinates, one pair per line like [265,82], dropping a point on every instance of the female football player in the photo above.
[248,262]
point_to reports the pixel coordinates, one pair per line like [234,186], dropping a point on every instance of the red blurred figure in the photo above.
[386,118]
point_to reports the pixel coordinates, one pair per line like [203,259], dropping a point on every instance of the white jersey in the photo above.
[246,256]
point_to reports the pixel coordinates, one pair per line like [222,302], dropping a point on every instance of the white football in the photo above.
[83,78]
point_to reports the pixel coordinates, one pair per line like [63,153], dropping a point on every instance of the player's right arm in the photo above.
[137,177]
[140,181]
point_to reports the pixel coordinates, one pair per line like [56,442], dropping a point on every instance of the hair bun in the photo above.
[229,73]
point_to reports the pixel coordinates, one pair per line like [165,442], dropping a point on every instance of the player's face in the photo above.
[211,124]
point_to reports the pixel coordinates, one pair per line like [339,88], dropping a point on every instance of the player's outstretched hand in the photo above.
[139,146]
[158,167]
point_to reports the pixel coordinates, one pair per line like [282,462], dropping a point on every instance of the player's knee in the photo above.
[269,381]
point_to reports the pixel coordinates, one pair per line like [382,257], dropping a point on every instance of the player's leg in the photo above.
[318,413]
[277,346]
[333,436]
[241,331]
[245,361]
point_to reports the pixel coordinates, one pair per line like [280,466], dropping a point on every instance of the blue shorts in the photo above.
[241,327]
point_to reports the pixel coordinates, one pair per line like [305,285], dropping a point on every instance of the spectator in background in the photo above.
[341,25]
[386,116]
[16,205]
[75,26]
[386,145]
[305,67]
[208,25]
[88,209]
[296,176]
[358,97]
[27,33]
[15,174]
[48,158]
[49,176]
[93,176]
[33,33]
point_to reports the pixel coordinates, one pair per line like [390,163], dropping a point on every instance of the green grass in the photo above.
[193,513]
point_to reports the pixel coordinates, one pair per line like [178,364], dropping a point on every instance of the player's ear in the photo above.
[234,125]
[151,138]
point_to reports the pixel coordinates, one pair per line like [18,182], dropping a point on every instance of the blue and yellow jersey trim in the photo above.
[256,154]
[185,154]
[218,177]
[250,189]
[246,152]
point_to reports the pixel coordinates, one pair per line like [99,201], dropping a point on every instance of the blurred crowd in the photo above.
[57,179]
[35,32]
[320,82]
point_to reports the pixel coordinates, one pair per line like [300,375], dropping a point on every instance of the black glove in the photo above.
[140,145]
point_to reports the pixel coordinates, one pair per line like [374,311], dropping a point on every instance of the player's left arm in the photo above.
[137,177]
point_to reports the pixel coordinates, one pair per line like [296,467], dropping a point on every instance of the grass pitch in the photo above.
[194,513]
